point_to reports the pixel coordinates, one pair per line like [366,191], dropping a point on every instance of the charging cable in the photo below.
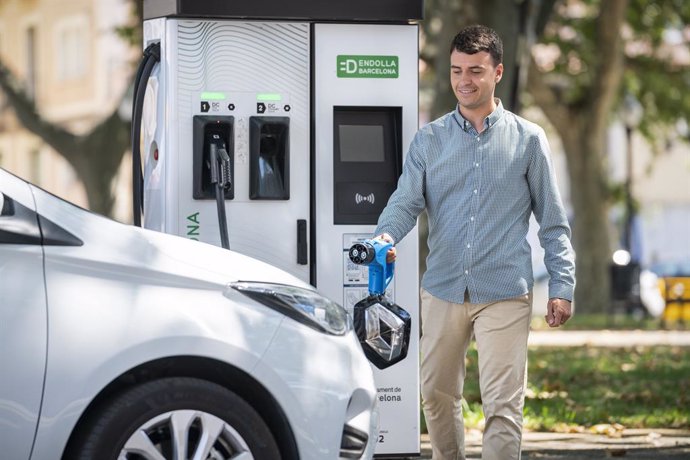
[221,175]
[152,55]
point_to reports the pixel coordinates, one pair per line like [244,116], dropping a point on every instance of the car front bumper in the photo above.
[328,393]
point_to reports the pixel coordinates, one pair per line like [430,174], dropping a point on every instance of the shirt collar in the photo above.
[488,121]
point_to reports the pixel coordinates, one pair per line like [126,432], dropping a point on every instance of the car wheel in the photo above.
[175,419]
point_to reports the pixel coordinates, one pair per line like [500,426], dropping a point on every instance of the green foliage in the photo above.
[570,36]
[580,387]
[657,64]
[657,69]
[132,33]
[600,321]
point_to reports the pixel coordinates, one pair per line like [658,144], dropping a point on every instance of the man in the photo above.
[480,171]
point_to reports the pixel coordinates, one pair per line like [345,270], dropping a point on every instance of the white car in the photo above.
[123,343]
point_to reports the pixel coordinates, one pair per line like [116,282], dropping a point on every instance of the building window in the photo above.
[72,42]
[31,62]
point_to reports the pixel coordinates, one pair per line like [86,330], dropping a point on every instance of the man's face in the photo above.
[473,78]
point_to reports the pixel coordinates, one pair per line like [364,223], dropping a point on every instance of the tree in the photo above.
[96,155]
[604,50]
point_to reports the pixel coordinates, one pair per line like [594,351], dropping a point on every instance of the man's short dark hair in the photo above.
[473,39]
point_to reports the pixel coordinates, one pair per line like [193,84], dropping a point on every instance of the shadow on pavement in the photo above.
[638,444]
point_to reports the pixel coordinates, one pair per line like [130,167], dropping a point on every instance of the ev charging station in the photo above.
[308,107]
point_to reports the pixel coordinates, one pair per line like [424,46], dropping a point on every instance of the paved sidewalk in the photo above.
[607,338]
[639,444]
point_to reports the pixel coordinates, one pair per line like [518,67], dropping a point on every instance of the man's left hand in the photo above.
[558,311]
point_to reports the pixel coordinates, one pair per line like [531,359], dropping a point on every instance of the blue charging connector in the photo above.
[382,327]
[373,253]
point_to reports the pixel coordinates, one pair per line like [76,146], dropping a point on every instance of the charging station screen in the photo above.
[366,161]
[361,143]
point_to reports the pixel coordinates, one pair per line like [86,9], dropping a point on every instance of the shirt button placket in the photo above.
[473,206]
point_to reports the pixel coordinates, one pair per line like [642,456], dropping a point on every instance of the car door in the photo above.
[23,318]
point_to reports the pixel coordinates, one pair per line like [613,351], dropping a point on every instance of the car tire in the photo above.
[156,419]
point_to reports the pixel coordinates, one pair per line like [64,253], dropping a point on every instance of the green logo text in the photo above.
[193,226]
[367,66]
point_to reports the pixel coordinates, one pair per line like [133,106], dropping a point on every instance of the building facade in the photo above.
[68,57]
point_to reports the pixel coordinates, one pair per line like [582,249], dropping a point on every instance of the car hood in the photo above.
[110,245]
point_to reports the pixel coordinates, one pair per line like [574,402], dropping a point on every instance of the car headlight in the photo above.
[303,305]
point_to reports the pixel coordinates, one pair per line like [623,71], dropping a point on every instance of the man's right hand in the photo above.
[558,311]
[391,254]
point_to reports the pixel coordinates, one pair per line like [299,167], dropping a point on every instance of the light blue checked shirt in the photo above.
[479,190]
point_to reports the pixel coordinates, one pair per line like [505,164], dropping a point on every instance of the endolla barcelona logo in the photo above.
[367,66]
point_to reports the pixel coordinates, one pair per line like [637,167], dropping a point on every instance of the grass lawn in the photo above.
[603,321]
[572,389]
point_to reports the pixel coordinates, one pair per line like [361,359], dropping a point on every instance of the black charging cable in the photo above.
[152,55]
[221,175]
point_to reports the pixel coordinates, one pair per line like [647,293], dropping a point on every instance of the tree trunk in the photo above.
[97,170]
[582,125]
[509,26]
[590,208]
[104,148]
[453,16]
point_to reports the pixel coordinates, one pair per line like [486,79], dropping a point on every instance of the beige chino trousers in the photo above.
[500,330]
